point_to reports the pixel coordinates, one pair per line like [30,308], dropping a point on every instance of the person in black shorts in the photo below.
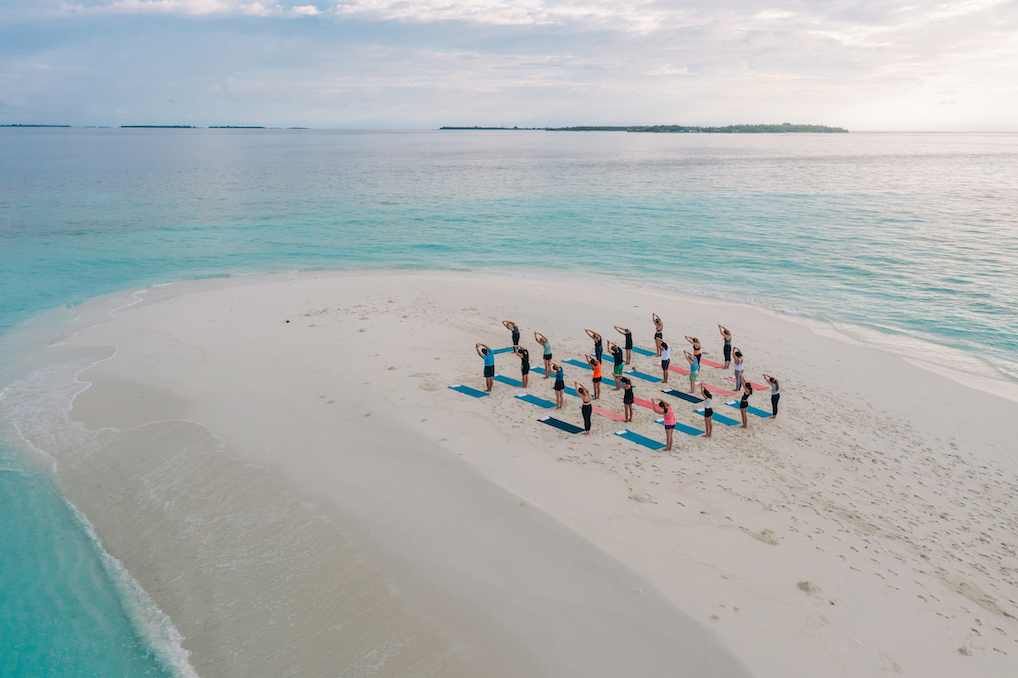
[708,410]
[489,364]
[628,397]
[617,368]
[524,355]
[629,342]
[512,327]
[596,366]
[744,403]
[543,341]
[587,408]
[598,346]
[560,385]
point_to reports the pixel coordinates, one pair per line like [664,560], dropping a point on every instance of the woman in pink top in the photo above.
[666,409]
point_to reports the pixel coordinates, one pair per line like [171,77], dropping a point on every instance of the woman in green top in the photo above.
[543,340]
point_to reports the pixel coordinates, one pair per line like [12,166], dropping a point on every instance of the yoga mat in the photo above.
[572,391]
[711,363]
[608,414]
[679,426]
[507,380]
[763,414]
[577,363]
[538,370]
[756,386]
[639,440]
[720,391]
[469,391]
[718,417]
[643,403]
[534,400]
[688,397]
[508,349]
[642,351]
[674,368]
[562,425]
[641,375]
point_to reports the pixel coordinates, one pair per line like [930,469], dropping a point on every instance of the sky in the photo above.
[419,64]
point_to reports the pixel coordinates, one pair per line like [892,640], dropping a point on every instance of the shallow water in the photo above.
[906,241]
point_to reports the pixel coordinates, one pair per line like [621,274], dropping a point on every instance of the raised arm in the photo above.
[540,337]
[621,330]
[724,330]
[654,403]
[478,346]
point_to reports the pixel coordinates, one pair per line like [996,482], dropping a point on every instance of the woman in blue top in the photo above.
[543,340]
[489,364]
[560,386]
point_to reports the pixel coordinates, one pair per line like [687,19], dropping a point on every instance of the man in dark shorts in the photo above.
[617,369]
[489,364]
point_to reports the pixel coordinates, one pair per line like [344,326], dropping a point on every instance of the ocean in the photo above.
[903,241]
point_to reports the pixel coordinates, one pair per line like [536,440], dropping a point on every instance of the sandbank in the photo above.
[279,462]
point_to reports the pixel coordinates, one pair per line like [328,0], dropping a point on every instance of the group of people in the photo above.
[623,383]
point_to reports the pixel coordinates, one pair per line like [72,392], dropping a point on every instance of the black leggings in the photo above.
[587,411]
[774,403]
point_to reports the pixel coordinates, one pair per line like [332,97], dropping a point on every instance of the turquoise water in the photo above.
[905,241]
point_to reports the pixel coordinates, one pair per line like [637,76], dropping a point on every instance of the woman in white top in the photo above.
[739,366]
[666,358]
[775,394]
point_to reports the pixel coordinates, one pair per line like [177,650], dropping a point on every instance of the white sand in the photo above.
[870,529]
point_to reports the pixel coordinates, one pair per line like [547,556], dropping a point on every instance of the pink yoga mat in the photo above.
[643,403]
[608,414]
[719,391]
[673,368]
[758,387]
[710,363]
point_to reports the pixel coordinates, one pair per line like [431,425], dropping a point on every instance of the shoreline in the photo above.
[615,496]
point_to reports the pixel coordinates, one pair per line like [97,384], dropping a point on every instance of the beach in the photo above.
[279,462]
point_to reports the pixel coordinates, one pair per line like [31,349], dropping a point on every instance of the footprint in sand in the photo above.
[766,536]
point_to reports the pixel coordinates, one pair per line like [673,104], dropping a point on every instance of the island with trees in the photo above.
[784,127]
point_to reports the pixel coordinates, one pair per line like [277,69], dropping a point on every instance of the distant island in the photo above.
[684,129]
[157,127]
[34,125]
[236,127]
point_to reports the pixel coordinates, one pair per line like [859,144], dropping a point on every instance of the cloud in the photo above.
[190,8]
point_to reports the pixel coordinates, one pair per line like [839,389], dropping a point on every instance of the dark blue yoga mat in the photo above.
[763,414]
[679,426]
[643,351]
[688,397]
[507,380]
[534,400]
[559,424]
[639,440]
[469,391]
[508,349]
[641,375]
[720,417]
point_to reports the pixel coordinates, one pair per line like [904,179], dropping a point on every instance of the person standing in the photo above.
[666,409]
[586,408]
[512,327]
[629,342]
[694,369]
[659,332]
[596,366]
[666,359]
[524,355]
[598,346]
[697,353]
[708,410]
[543,340]
[489,364]
[617,368]
[747,391]
[740,365]
[560,385]
[628,397]
[728,345]
[775,394]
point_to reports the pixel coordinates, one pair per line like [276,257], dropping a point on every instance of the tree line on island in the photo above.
[672,129]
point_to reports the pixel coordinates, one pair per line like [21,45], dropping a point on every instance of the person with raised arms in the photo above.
[560,385]
[664,408]
[597,375]
[618,367]
[697,353]
[728,345]
[708,410]
[775,394]
[524,355]
[747,391]
[694,369]
[740,365]
[666,359]
[587,408]
[489,364]
[598,346]
[512,327]
[628,397]
[543,340]
[629,342]
[659,332]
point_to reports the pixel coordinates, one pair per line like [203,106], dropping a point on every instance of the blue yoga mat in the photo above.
[720,417]
[538,370]
[534,400]
[643,351]
[508,349]
[641,375]
[507,380]
[469,391]
[559,424]
[688,397]
[572,391]
[763,414]
[679,426]
[577,363]
[639,440]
